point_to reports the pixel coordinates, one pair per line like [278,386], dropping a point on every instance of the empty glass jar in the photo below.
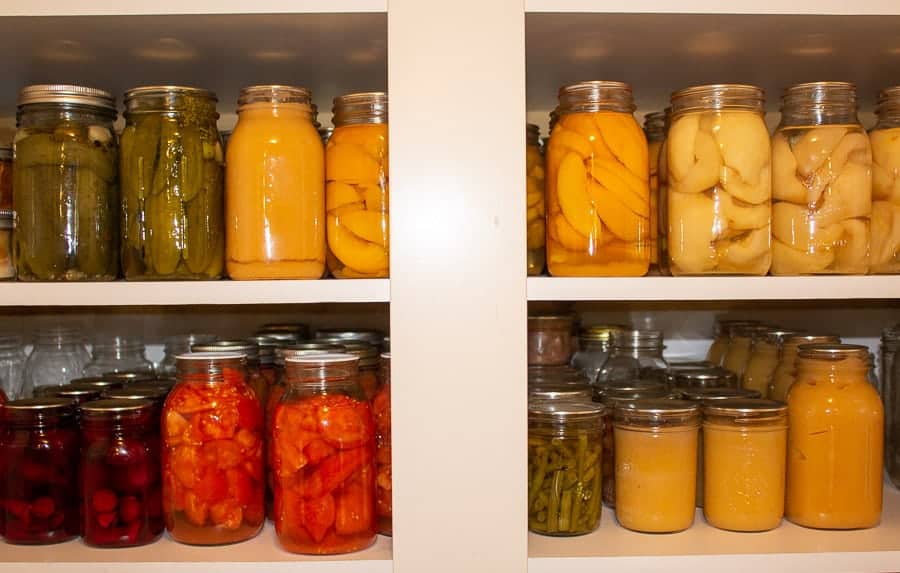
[58,357]
[594,344]
[636,354]
[118,354]
[179,344]
[12,366]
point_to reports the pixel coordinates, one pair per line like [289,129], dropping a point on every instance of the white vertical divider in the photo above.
[456,79]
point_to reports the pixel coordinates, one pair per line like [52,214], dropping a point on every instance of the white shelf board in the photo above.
[873,7]
[789,548]
[714,288]
[178,293]
[164,7]
[261,553]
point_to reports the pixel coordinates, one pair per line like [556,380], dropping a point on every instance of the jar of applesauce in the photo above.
[719,185]
[598,189]
[744,443]
[662,215]
[357,188]
[821,183]
[835,439]
[786,371]
[274,187]
[740,347]
[655,130]
[656,464]
[764,359]
[534,193]
[722,338]
[884,249]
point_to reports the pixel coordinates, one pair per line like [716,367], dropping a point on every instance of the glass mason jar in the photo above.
[560,391]
[594,344]
[369,365]
[275,187]
[6,178]
[662,215]
[252,371]
[565,474]
[384,484]
[598,189]
[744,443]
[212,452]
[119,473]
[884,250]
[786,371]
[636,354]
[357,172]
[834,471]
[12,366]
[266,347]
[39,485]
[764,356]
[550,340]
[179,344]
[655,131]
[118,354]
[534,193]
[821,183]
[172,185]
[740,347]
[656,464]
[722,338]
[78,395]
[58,357]
[7,264]
[680,366]
[65,187]
[720,184]
[341,335]
[323,441]
[711,377]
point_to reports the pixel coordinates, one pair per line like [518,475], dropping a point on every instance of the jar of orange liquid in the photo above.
[744,449]
[764,358]
[656,464]
[835,439]
[275,188]
[786,371]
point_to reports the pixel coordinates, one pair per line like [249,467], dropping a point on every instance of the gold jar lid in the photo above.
[596,95]
[600,332]
[715,377]
[48,405]
[111,407]
[101,382]
[558,391]
[801,339]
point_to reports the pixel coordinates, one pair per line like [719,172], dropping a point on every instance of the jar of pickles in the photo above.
[39,483]
[662,176]
[357,189]
[120,478]
[65,185]
[719,185]
[7,265]
[821,183]
[594,345]
[274,187]
[598,190]
[635,354]
[655,130]
[786,371]
[534,194]
[171,168]
[179,344]
[834,478]
[384,483]
[323,440]
[884,249]
[760,370]
[212,452]
[550,340]
[118,354]
[250,350]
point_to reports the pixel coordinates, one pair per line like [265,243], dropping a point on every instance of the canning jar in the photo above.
[212,452]
[369,365]
[635,354]
[7,264]
[722,338]
[179,344]
[120,478]
[65,187]
[384,484]
[58,356]
[357,191]
[534,194]
[821,183]
[254,378]
[565,447]
[655,131]
[656,464]
[12,366]
[6,178]
[598,190]
[710,377]
[740,347]
[266,347]
[39,483]
[323,441]
[834,478]
[744,446]
[884,250]
[786,371]
[662,215]
[550,340]
[171,167]
[594,344]
[118,354]
[764,355]
[275,187]
[719,185]
[560,391]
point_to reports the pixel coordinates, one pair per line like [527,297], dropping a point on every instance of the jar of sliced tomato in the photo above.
[212,453]
[381,410]
[323,458]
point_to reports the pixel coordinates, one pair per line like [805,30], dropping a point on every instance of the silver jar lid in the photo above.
[637,338]
[550,391]
[326,359]
[562,411]
[345,334]
[249,349]
[67,94]
[7,217]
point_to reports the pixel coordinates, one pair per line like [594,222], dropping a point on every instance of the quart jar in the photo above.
[884,250]
[118,354]
[534,196]
[357,172]
[369,365]
[323,440]
[120,477]
[744,447]
[598,190]
[7,264]
[179,344]
[720,184]
[655,131]
[550,340]
[764,356]
[58,357]
[740,347]
[821,183]
[656,464]
[212,452]
[786,371]
[565,453]
[662,215]
[636,354]
[250,350]
[39,483]
[12,366]
[274,187]
[171,168]
[6,178]
[594,345]
[722,338]
[834,472]
[266,347]
[65,187]
[384,483]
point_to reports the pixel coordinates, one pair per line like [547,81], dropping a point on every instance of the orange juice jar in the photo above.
[357,173]
[744,443]
[835,439]
[656,465]
[275,188]
[786,371]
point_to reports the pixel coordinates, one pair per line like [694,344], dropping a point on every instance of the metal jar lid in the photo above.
[249,349]
[129,377]
[600,332]
[550,322]
[77,391]
[833,352]
[564,411]
[718,394]
[155,394]
[299,329]
[616,393]
[7,216]
[743,411]
[344,335]
[801,339]
[715,377]
[67,94]
[110,407]
[777,336]
[576,392]
[6,153]
[101,382]
[47,405]
[655,412]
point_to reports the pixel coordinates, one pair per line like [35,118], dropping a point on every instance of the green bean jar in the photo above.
[172,185]
[65,188]
[564,467]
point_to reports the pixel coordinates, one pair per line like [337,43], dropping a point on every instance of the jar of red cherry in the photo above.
[212,453]
[38,471]
[120,478]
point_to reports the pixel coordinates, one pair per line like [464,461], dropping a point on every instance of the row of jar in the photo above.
[708,191]
[755,461]
[165,201]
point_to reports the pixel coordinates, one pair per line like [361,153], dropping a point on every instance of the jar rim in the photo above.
[322,359]
[833,352]
[801,339]
[345,334]
[564,410]
[712,373]
[40,405]
[213,356]
[144,393]
[653,412]
[250,350]
[745,408]
[107,406]
[718,96]
[165,90]
[73,390]
[128,377]
[596,95]
[551,391]
[275,93]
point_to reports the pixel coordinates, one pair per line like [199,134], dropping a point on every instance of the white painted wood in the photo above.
[179,7]
[717,7]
